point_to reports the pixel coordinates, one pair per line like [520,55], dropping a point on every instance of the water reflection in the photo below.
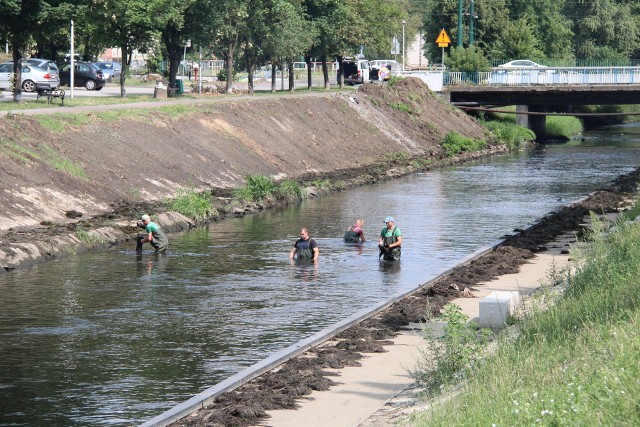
[115,338]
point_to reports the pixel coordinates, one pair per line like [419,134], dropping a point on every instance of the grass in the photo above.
[510,134]
[401,106]
[192,204]
[574,363]
[558,127]
[454,144]
[88,238]
[46,154]
[397,156]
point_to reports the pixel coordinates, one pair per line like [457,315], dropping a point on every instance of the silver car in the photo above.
[33,77]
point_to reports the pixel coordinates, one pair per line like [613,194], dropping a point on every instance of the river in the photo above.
[113,338]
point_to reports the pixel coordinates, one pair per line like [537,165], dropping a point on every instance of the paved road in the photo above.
[113,90]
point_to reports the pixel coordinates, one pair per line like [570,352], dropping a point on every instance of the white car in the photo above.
[33,77]
[521,63]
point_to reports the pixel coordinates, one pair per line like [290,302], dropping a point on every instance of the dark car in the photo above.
[86,74]
[111,70]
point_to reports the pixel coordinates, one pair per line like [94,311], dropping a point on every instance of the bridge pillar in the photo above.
[537,123]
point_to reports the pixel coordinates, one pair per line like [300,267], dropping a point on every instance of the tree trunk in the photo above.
[340,72]
[325,71]
[229,64]
[307,60]
[123,73]
[292,75]
[171,38]
[273,76]
[250,69]
[17,72]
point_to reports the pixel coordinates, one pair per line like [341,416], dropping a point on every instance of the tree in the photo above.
[132,24]
[19,22]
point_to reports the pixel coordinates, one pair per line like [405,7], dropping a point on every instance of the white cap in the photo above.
[145,217]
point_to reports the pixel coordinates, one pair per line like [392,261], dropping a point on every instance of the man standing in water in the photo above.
[154,235]
[305,247]
[390,241]
[355,234]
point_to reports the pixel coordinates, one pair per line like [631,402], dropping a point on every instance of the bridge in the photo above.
[541,92]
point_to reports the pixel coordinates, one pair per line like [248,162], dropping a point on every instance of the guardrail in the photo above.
[547,76]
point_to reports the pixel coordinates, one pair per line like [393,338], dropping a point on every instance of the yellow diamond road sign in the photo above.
[443,39]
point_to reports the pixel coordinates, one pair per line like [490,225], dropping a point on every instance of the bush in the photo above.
[290,189]
[257,188]
[191,204]
[454,143]
[509,134]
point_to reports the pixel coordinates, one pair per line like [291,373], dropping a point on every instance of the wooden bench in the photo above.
[51,94]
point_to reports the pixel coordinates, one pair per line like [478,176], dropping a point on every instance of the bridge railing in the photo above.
[547,76]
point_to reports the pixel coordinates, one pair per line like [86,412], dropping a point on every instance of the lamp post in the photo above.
[403,22]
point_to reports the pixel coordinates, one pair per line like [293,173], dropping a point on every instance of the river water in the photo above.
[113,338]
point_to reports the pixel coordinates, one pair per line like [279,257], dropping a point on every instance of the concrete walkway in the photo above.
[379,393]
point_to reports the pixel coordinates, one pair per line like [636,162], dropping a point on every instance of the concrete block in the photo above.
[496,307]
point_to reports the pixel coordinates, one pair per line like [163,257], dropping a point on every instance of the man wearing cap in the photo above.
[390,240]
[154,235]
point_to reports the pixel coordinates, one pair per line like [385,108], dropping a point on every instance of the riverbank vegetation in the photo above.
[571,362]
[558,127]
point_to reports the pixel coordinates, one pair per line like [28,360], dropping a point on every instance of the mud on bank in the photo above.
[81,187]
[301,375]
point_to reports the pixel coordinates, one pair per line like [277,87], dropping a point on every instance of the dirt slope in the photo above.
[52,179]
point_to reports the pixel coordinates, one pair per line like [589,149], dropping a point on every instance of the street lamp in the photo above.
[403,22]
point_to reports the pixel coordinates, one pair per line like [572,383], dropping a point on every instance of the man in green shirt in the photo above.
[390,240]
[154,234]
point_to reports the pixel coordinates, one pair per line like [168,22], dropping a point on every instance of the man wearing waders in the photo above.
[305,248]
[390,241]
[153,234]
[355,234]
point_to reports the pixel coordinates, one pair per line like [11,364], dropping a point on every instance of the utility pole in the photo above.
[72,70]
[459,41]
[472,17]
[403,22]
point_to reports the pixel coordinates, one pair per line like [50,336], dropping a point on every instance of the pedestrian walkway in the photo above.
[379,393]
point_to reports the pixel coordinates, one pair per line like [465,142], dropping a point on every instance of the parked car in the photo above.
[47,64]
[383,69]
[356,71]
[110,70]
[86,74]
[33,77]
[521,63]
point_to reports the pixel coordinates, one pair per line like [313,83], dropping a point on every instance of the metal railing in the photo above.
[547,76]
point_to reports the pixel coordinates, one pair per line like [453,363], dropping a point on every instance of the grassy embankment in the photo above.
[573,361]
[558,127]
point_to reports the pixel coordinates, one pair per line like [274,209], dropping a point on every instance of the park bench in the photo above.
[50,94]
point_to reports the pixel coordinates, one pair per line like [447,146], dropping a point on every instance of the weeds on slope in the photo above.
[575,363]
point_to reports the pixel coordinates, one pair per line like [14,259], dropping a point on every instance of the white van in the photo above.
[356,71]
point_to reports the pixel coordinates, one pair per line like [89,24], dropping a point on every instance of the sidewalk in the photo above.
[379,393]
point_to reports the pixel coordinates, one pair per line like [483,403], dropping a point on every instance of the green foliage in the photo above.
[573,363]
[510,134]
[454,144]
[421,163]
[290,189]
[257,188]
[222,75]
[394,80]
[192,204]
[322,184]
[448,357]
[401,106]
[468,60]
[565,127]
[397,156]
[89,239]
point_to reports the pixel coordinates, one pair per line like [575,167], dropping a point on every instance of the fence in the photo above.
[548,76]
